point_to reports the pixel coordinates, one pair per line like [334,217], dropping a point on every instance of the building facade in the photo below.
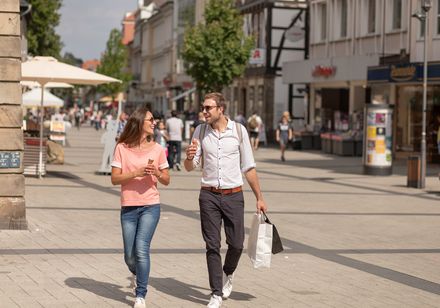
[155,54]
[356,47]
[12,202]
[280,32]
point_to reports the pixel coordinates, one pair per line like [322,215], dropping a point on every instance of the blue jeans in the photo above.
[138,226]
[174,150]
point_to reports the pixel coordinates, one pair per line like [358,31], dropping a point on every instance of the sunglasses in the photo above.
[207,108]
[150,120]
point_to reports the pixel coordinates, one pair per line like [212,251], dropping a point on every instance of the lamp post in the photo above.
[423,16]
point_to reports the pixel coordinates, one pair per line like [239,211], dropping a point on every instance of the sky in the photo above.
[86,24]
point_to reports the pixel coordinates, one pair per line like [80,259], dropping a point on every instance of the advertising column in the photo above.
[377,154]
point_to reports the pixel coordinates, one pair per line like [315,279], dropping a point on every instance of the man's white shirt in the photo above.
[223,165]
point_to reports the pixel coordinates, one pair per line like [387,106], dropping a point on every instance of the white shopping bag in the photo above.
[260,242]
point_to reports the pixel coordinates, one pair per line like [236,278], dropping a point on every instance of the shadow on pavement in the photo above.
[346,165]
[100,288]
[189,292]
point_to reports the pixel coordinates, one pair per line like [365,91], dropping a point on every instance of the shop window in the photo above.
[397,15]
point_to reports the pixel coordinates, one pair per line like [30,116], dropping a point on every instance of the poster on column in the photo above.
[379,137]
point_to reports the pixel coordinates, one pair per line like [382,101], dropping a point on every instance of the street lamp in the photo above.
[423,17]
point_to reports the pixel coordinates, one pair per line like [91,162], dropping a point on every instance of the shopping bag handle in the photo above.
[266,219]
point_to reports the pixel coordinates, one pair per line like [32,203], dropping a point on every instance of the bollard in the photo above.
[413,172]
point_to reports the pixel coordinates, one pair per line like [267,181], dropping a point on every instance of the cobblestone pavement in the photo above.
[350,240]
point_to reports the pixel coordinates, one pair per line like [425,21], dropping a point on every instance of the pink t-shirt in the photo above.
[140,190]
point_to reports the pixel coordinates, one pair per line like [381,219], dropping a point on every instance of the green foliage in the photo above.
[41,35]
[218,51]
[70,58]
[114,64]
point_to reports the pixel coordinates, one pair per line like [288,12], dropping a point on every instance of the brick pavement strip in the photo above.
[351,240]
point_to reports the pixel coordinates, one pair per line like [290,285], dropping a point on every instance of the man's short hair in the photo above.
[218,98]
[174,113]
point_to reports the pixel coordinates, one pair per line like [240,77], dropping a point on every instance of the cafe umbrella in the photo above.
[48,69]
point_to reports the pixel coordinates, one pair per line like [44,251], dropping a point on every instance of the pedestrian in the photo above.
[283,135]
[222,148]
[200,120]
[163,137]
[240,119]
[121,124]
[254,123]
[138,164]
[174,127]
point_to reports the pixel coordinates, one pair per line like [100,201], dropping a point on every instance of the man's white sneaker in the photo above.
[227,285]
[215,302]
[139,302]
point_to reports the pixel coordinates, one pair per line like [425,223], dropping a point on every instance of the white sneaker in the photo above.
[227,285]
[215,302]
[140,303]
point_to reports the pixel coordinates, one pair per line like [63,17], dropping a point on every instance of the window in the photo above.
[397,14]
[371,26]
[322,13]
[344,18]
[438,17]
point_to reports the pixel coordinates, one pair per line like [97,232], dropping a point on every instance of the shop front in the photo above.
[337,95]
[402,86]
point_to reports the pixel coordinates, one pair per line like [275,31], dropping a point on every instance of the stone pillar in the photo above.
[12,204]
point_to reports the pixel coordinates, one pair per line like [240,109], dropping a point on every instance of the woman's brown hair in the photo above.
[132,133]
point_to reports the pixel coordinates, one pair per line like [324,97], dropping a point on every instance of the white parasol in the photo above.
[47,69]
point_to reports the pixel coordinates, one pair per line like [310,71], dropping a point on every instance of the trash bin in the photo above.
[413,176]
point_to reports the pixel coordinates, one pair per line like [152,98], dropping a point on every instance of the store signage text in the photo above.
[324,71]
[404,73]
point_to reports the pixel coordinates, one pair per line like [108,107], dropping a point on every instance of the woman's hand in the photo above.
[152,170]
[140,172]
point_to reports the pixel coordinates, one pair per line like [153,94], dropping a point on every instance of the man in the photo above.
[222,148]
[254,123]
[174,127]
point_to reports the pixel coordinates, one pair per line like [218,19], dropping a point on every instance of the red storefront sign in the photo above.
[324,71]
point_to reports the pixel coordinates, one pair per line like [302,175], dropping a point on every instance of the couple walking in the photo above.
[222,148]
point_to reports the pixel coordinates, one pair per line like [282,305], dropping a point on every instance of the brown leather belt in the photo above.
[226,191]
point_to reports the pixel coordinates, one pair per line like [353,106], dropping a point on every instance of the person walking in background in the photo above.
[163,137]
[197,122]
[222,148]
[283,135]
[138,165]
[254,122]
[239,118]
[121,124]
[174,127]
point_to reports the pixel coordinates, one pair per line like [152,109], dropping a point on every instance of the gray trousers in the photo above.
[215,208]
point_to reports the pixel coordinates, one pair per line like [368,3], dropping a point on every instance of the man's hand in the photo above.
[192,149]
[261,206]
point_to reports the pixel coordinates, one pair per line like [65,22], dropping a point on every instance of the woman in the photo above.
[283,134]
[138,164]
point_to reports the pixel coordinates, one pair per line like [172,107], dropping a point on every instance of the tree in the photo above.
[41,35]
[114,64]
[217,52]
[70,58]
